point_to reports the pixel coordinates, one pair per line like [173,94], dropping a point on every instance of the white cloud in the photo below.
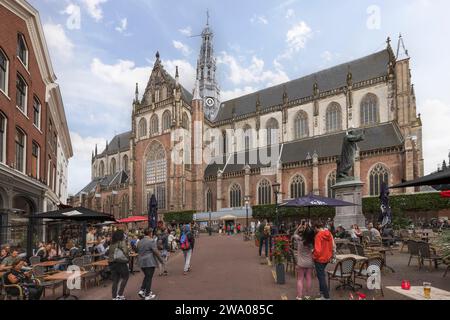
[327,56]
[122,27]
[183,48]
[74,20]
[290,13]
[255,73]
[94,8]
[259,19]
[186,31]
[298,35]
[435,117]
[58,42]
[227,95]
[187,72]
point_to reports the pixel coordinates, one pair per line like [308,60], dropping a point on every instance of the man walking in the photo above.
[187,242]
[148,254]
[264,235]
[323,253]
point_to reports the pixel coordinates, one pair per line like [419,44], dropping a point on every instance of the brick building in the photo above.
[302,122]
[32,119]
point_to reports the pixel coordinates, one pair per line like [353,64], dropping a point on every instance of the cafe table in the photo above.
[358,259]
[49,264]
[65,277]
[416,293]
[101,264]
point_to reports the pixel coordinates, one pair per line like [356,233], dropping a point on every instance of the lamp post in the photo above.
[276,191]
[247,203]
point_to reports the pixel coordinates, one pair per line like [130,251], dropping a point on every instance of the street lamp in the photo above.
[247,203]
[276,191]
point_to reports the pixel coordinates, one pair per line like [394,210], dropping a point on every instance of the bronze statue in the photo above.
[347,158]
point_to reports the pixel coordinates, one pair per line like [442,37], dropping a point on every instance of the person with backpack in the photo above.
[148,257]
[163,247]
[264,235]
[118,263]
[187,242]
[324,248]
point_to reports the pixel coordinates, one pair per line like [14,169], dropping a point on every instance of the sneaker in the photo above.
[151,296]
[122,298]
[141,294]
[323,298]
[298,299]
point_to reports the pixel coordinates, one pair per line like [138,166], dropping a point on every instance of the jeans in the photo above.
[148,278]
[119,271]
[321,276]
[266,241]
[187,259]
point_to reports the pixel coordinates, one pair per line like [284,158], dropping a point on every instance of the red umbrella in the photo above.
[133,219]
[445,194]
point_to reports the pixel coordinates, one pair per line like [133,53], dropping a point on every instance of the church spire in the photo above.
[401,44]
[206,73]
[136,93]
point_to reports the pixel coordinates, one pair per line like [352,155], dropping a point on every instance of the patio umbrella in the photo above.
[313,201]
[153,212]
[435,179]
[445,194]
[133,219]
[386,210]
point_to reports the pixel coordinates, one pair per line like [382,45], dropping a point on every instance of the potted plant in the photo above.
[280,253]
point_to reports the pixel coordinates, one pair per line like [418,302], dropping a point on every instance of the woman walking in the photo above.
[305,262]
[187,243]
[148,254]
[118,263]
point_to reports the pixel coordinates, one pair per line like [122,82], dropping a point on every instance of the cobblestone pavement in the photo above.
[227,268]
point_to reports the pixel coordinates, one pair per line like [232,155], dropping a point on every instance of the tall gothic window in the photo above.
[331,181]
[166,120]
[334,117]
[124,207]
[209,200]
[4,67]
[224,142]
[125,164]
[272,131]
[2,137]
[369,110]
[235,196]
[154,125]
[101,169]
[113,166]
[156,173]
[20,150]
[301,128]
[142,128]
[378,176]
[22,50]
[298,187]
[264,192]
[21,94]
[247,137]
[185,121]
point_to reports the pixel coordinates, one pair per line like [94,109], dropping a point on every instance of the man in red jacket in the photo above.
[322,255]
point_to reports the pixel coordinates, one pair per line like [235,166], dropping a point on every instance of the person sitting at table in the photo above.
[375,235]
[51,251]
[16,276]
[355,234]
[41,252]
[100,248]
[3,255]
[10,259]
[341,233]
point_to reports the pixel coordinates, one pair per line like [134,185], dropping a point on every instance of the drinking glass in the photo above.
[427,290]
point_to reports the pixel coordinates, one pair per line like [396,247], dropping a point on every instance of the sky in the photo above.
[101,48]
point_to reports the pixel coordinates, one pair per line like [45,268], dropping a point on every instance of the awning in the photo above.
[133,219]
[75,214]
[445,194]
[434,179]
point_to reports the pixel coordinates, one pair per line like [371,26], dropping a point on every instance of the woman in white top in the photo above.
[305,263]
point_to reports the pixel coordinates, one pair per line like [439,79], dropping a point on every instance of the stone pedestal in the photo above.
[349,191]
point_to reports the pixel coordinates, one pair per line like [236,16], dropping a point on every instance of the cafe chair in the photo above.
[35,260]
[426,254]
[7,295]
[413,249]
[39,274]
[363,273]
[343,272]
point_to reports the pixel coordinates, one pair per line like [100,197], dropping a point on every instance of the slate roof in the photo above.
[122,140]
[378,137]
[116,179]
[367,68]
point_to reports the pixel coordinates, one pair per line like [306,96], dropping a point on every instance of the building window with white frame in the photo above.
[21,95]
[301,129]
[298,187]
[22,50]
[369,110]
[264,192]
[156,173]
[20,150]
[3,126]
[37,113]
[209,200]
[166,121]
[235,196]
[35,160]
[379,175]
[154,125]
[272,128]
[331,181]
[4,72]
[334,118]
[142,128]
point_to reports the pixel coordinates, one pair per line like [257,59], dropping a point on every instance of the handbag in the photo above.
[119,256]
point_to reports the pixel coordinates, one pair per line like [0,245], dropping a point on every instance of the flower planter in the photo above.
[281,273]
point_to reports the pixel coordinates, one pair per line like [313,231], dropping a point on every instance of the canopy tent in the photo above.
[313,201]
[436,180]
[133,219]
[445,194]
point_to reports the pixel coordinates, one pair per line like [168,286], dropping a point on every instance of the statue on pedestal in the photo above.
[347,159]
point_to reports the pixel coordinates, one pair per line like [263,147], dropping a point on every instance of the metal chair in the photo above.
[7,295]
[404,238]
[343,272]
[426,255]
[363,273]
[39,273]
[35,260]
[413,249]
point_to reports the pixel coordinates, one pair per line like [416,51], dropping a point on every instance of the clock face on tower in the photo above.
[210,102]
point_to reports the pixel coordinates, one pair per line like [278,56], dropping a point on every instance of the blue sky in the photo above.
[101,48]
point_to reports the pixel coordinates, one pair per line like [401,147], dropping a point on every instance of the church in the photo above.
[299,125]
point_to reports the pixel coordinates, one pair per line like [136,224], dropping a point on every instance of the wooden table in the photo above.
[64,276]
[101,263]
[49,264]
[341,257]
[416,293]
